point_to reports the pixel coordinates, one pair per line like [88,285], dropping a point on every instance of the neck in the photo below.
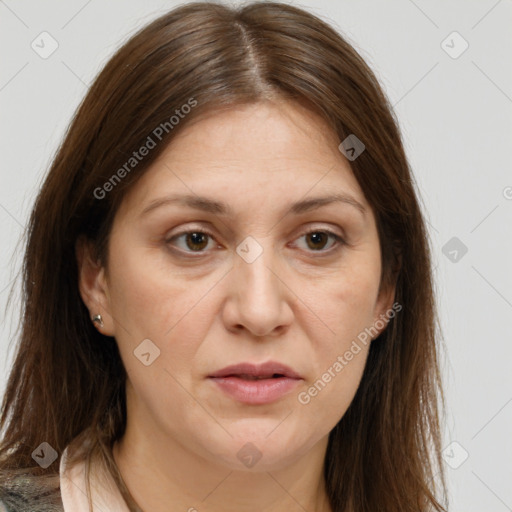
[163,475]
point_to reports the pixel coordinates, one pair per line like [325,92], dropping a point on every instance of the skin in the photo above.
[301,302]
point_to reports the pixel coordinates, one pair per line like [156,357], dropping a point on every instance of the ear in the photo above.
[93,284]
[385,306]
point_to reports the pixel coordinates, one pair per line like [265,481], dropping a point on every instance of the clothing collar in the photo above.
[106,496]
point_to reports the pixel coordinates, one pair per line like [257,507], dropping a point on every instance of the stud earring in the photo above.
[98,319]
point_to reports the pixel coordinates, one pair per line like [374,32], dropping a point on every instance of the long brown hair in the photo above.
[68,379]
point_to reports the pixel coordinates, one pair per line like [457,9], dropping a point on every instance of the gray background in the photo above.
[456,119]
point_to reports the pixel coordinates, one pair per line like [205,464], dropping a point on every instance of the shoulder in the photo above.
[21,491]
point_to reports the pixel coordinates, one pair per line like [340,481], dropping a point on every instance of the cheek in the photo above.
[172,312]
[345,306]
[325,401]
[340,352]
[344,302]
[147,299]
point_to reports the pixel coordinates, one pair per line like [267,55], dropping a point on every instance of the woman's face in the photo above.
[246,285]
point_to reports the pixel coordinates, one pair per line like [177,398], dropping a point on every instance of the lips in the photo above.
[249,371]
[255,384]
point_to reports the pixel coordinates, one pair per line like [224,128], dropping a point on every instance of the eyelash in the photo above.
[340,241]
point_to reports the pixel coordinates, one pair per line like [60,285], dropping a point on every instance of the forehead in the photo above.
[251,155]
[264,131]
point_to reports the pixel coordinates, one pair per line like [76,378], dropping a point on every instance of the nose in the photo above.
[259,298]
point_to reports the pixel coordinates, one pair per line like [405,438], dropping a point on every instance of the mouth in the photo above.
[251,371]
[246,376]
[254,384]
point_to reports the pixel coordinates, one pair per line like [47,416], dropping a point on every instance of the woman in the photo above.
[227,286]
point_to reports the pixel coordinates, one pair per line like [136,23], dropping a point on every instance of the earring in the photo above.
[98,319]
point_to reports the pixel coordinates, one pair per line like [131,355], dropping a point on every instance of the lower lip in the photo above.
[256,392]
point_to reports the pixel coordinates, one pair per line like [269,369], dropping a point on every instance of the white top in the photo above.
[106,497]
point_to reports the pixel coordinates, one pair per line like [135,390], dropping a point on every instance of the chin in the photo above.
[260,447]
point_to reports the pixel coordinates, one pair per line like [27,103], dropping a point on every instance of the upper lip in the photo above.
[265,370]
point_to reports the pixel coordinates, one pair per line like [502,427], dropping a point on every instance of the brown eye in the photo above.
[194,241]
[317,240]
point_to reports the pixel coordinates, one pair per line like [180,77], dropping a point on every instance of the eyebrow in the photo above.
[208,205]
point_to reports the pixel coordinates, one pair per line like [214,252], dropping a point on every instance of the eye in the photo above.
[197,241]
[316,239]
[194,241]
